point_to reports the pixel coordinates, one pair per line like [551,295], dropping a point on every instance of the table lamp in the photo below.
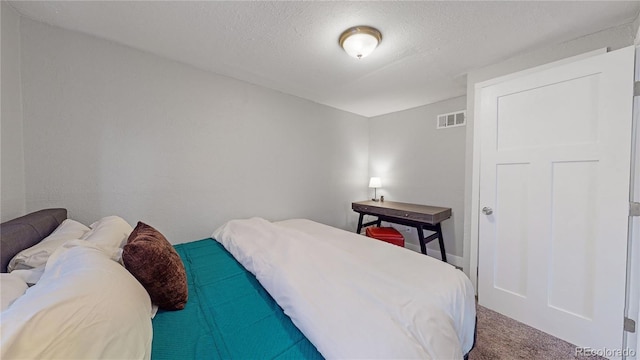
[375,183]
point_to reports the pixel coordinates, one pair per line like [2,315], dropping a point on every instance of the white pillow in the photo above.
[109,233]
[11,288]
[38,254]
[84,306]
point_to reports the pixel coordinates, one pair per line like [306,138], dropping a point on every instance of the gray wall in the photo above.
[12,190]
[420,164]
[613,38]
[112,130]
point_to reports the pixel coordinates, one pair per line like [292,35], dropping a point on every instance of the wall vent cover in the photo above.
[458,118]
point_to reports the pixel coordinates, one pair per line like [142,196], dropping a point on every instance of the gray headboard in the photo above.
[26,231]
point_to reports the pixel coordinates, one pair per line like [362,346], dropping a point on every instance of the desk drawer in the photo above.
[361,208]
[428,218]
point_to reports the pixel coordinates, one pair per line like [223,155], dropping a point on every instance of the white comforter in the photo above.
[85,306]
[355,297]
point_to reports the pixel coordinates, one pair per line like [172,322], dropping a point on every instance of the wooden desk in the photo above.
[419,216]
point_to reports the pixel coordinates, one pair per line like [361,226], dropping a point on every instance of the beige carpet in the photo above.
[500,337]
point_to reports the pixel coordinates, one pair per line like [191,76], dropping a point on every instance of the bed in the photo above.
[291,289]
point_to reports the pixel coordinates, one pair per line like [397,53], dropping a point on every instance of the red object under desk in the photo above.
[387,234]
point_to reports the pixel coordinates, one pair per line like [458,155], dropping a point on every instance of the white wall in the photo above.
[613,38]
[419,164]
[12,198]
[113,130]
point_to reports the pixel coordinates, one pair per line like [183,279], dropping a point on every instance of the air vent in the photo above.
[458,118]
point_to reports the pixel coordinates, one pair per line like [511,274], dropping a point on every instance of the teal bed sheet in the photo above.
[229,315]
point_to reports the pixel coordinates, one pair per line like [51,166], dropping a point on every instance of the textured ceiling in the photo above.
[427,47]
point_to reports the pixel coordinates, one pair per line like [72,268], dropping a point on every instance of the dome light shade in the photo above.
[360,41]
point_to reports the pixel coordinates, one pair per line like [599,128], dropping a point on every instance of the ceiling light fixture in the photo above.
[360,41]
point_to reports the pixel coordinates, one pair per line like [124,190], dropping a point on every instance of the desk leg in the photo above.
[360,223]
[423,246]
[441,242]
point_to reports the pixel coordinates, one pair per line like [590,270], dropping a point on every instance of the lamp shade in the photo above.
[375,183]
[360,41]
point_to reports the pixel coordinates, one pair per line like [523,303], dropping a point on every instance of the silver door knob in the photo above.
[487,210]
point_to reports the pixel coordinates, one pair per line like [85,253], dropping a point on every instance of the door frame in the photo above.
[632,295]
[477,136]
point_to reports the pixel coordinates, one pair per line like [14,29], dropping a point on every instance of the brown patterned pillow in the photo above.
[152,260]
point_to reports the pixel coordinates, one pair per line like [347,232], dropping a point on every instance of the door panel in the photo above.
[524,124]
[510,272]
[573,238]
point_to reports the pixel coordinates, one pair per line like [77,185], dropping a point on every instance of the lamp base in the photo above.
[374,199]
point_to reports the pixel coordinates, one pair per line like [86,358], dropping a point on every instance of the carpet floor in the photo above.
[500,337]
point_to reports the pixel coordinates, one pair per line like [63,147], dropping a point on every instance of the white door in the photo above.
[554,169]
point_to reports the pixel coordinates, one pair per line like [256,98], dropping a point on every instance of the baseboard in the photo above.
[454,260]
